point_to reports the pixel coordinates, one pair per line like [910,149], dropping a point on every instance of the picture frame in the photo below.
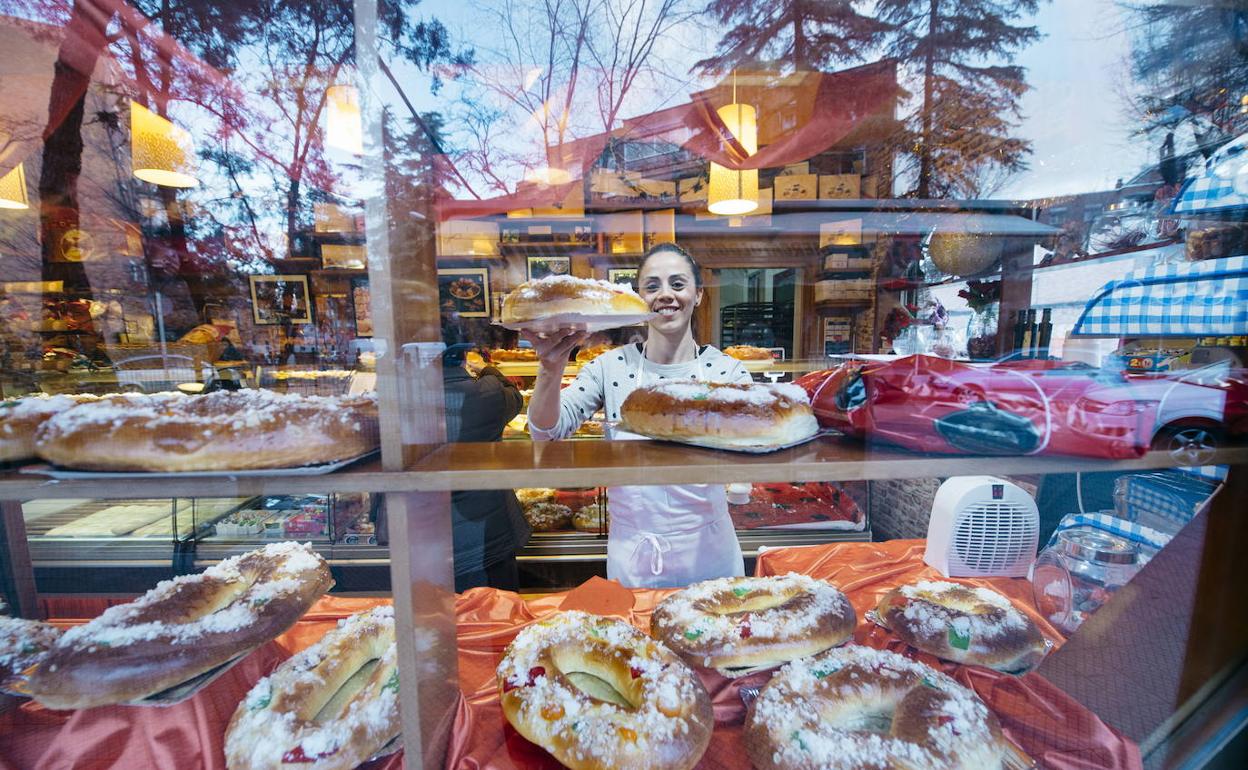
[540,267]
[626,275]
[362,306]
[464,291]
[280,299]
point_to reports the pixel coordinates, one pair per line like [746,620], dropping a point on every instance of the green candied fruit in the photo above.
[739,592]
[958,641]
[393,682]
[261,703]
[821,673]
[9,403]
[701,396]
[927,682]
[693,634]
[796,735]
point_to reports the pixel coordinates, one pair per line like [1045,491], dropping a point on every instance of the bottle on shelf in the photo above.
[1020,330]
[1029,333]
[1045,333]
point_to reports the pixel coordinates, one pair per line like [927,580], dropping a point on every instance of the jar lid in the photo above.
[1093,545]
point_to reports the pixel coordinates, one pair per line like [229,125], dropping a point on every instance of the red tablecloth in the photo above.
[1047,724]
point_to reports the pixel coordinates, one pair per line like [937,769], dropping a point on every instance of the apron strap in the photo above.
[658,546]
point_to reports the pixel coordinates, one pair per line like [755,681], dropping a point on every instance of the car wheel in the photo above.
[1190,445]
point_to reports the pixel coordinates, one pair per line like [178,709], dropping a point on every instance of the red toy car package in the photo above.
[937,405]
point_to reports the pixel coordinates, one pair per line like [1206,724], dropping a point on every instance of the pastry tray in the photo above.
[756,450]
[65,474]
[185,690]
[581,322]
[394,746]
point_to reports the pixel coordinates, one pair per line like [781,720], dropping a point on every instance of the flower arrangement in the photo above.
[897,320]
[931,314]
[980,294]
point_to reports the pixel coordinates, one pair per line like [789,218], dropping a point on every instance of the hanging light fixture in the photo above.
[13,189]
[734,192]
[344,127]
[160,152]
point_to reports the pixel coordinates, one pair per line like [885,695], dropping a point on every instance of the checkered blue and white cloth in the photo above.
[1213,190]
[1208,298]
[1149,540]
[1208,194]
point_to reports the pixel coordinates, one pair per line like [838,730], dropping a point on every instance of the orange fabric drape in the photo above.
[1047,724]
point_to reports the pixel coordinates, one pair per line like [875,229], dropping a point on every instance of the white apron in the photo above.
[669,536]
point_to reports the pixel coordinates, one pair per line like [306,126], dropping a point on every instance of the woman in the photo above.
[660,536]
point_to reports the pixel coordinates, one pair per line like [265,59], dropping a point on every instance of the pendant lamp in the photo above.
[13,189]
[344,128]
[734,192]
[160,152]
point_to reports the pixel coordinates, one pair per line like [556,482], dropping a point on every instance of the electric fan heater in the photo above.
[982,526]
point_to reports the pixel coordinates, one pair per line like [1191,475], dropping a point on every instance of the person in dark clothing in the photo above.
[488,525]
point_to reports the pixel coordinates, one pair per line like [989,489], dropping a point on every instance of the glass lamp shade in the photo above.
[548,175]
[735,192]
[344,127]
[160,152]
[13,189]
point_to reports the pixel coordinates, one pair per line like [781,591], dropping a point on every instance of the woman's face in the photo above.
[667,285]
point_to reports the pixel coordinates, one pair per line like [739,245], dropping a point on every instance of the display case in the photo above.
[319,220]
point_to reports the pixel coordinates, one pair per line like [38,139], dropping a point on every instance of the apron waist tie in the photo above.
[658,546]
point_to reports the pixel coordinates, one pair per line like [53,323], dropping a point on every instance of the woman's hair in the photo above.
[660,248]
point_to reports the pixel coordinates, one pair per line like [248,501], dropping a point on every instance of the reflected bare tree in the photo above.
[559,70]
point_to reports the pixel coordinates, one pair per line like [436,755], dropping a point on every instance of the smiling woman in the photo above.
[659,535]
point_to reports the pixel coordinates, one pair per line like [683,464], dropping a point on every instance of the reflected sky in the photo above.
[1074,115]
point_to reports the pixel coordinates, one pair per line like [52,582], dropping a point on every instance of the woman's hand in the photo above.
[554,348]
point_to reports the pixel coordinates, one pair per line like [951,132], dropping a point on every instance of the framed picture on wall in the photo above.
[625,275]
[464,291]
[362,305]
[279,299]
[540,267]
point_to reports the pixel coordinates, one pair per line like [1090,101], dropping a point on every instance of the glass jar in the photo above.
[981,332]
[1072,578]
[943,342]
[908,341]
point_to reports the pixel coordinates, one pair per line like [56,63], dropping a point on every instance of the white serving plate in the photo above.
[614,432]
[581,322]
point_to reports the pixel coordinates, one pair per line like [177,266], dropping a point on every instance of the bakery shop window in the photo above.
[845,348]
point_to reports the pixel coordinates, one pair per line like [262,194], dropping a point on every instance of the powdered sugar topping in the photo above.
[761,394]
[124,624]
[551,705]
[818,712]
[538,287]
[941,606]
[271,737]
[685,613]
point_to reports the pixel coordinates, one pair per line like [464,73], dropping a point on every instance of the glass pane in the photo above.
[494,310]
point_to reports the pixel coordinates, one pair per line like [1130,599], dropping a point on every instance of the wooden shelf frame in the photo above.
[512,464]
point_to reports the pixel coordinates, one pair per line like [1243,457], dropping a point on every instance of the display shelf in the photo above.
[513,464]
[608,463]
[529,368]
[516,464]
